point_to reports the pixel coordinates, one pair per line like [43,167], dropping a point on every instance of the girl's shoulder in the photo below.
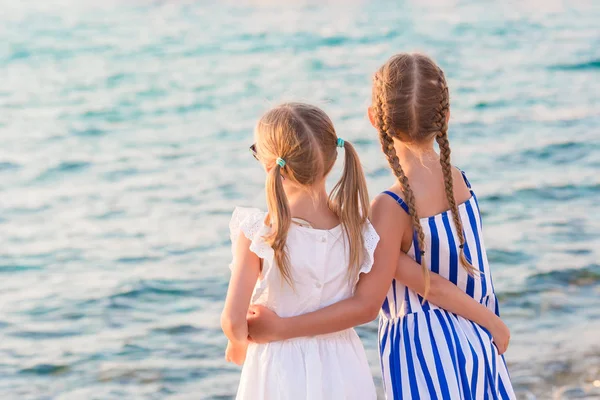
[250,222]
[247,221]
[370,235]
[390,203]
[370,241]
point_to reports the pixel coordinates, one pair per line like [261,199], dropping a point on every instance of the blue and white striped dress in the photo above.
[427,352]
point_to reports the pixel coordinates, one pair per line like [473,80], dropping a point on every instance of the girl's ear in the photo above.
[371,115]
[448,117]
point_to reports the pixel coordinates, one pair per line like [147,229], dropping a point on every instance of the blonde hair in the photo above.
[411,104]
[304,136]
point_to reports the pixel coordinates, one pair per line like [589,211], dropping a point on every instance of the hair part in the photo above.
[411,103]
[304,136]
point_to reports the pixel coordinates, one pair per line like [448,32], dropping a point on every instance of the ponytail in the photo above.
[280,219]
[349,199]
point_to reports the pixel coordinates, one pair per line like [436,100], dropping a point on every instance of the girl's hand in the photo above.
[500,334]
[263,325]
[236,352]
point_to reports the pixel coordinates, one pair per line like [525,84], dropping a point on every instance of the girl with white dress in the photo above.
[307,252]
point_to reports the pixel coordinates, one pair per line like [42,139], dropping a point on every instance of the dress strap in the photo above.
[465,178]
[398,200]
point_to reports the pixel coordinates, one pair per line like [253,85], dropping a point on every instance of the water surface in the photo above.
[125,128]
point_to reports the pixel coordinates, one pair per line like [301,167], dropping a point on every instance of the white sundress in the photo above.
[325,367]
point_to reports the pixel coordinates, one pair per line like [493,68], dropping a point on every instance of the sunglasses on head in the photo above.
[253,151]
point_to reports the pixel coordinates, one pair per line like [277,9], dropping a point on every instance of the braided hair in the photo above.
[411,103]
[387,145]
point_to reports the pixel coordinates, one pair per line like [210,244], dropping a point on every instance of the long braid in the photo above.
[441,125]
[387,145]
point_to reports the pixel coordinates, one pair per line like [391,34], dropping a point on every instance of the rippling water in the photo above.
[124,129]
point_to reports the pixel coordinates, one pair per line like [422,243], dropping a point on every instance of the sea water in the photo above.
[124,129]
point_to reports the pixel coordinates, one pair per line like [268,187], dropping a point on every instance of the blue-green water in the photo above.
[124,128]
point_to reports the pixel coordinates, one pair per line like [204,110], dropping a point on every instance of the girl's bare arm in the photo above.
[244,274]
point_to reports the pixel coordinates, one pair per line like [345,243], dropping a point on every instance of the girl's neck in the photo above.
[312,206]
[416,155]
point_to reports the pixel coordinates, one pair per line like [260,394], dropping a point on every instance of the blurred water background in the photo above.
[124,128]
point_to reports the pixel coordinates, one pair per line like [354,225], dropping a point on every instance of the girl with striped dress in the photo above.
[440,335]
[426,351]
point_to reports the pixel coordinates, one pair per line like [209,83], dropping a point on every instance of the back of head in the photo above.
[298,142]
[303,136]
[411,98]
[411,103]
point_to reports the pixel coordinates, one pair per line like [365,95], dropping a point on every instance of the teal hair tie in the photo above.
[340,142]
[281,162]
